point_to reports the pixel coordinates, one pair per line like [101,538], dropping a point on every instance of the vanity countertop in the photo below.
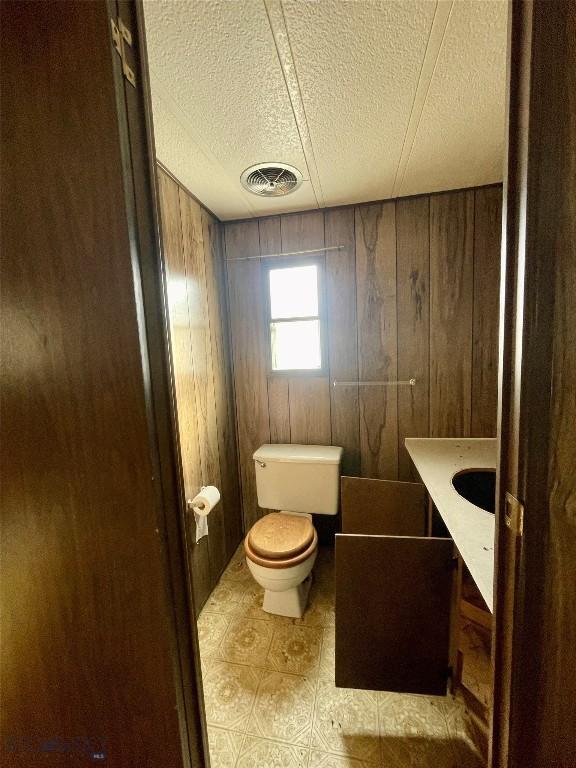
[437,461]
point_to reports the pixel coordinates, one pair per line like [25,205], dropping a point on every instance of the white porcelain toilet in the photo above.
[281,547]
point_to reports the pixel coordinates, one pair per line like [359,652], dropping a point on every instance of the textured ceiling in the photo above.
[369,99]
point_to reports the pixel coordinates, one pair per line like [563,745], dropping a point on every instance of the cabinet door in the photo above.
[393,605]
[383,507]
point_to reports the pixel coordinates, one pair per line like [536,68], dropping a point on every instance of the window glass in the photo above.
[294,292]
[296,345]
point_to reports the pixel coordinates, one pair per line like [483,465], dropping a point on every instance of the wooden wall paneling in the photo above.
[302,231]
[377,292]
[309,395]
[310,411]
[232,462]
[413,306]
[207,436]
[451,297]
[278,386]
[279,409]
[487,237]
[249,353]
[343,334]
[269,235]
[377,338]
[88,636]
[230,496]
[184,374]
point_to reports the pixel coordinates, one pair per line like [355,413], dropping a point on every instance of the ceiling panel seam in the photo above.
[172,106]
[438,28]
[279,29]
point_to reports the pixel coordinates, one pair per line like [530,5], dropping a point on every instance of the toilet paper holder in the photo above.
[200,507]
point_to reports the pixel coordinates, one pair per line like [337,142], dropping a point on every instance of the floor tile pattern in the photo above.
[270,696]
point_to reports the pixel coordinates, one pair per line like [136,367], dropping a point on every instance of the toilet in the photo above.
[299,481]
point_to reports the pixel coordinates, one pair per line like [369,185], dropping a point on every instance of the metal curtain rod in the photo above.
[408,382]
[290,253]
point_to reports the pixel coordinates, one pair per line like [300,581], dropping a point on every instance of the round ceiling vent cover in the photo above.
[271,179]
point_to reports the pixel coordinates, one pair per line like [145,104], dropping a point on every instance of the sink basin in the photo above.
[478,486]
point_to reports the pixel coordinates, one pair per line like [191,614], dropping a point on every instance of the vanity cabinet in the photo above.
[395,591]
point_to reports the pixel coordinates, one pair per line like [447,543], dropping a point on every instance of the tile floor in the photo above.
[271,701]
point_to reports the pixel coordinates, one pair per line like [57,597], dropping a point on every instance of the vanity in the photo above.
[414,574]
[459,477]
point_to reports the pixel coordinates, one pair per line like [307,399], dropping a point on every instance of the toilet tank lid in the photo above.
[300,454]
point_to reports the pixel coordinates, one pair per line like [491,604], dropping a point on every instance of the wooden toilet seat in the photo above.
[280,540]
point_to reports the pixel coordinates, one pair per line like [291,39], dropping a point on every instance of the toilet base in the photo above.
[290,602]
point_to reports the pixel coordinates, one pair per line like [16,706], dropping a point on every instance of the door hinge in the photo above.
[514,515]
[122,37]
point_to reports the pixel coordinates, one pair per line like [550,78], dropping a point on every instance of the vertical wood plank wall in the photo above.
[202,376]
[413,293]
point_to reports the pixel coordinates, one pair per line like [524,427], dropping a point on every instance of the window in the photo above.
[294,316]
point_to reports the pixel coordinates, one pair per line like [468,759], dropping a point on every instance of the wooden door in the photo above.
[535,596]
[394,591]
[96,637]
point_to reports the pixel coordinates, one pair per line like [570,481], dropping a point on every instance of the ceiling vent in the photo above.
[271,179]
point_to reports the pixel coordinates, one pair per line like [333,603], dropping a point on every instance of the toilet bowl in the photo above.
[280,550]
[281,547]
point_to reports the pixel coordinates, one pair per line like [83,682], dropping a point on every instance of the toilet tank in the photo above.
[298,478]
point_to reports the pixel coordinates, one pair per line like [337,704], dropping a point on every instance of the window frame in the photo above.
[285,262]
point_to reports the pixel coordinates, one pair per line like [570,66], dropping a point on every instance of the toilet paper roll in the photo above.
[202,504]
[206,500]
